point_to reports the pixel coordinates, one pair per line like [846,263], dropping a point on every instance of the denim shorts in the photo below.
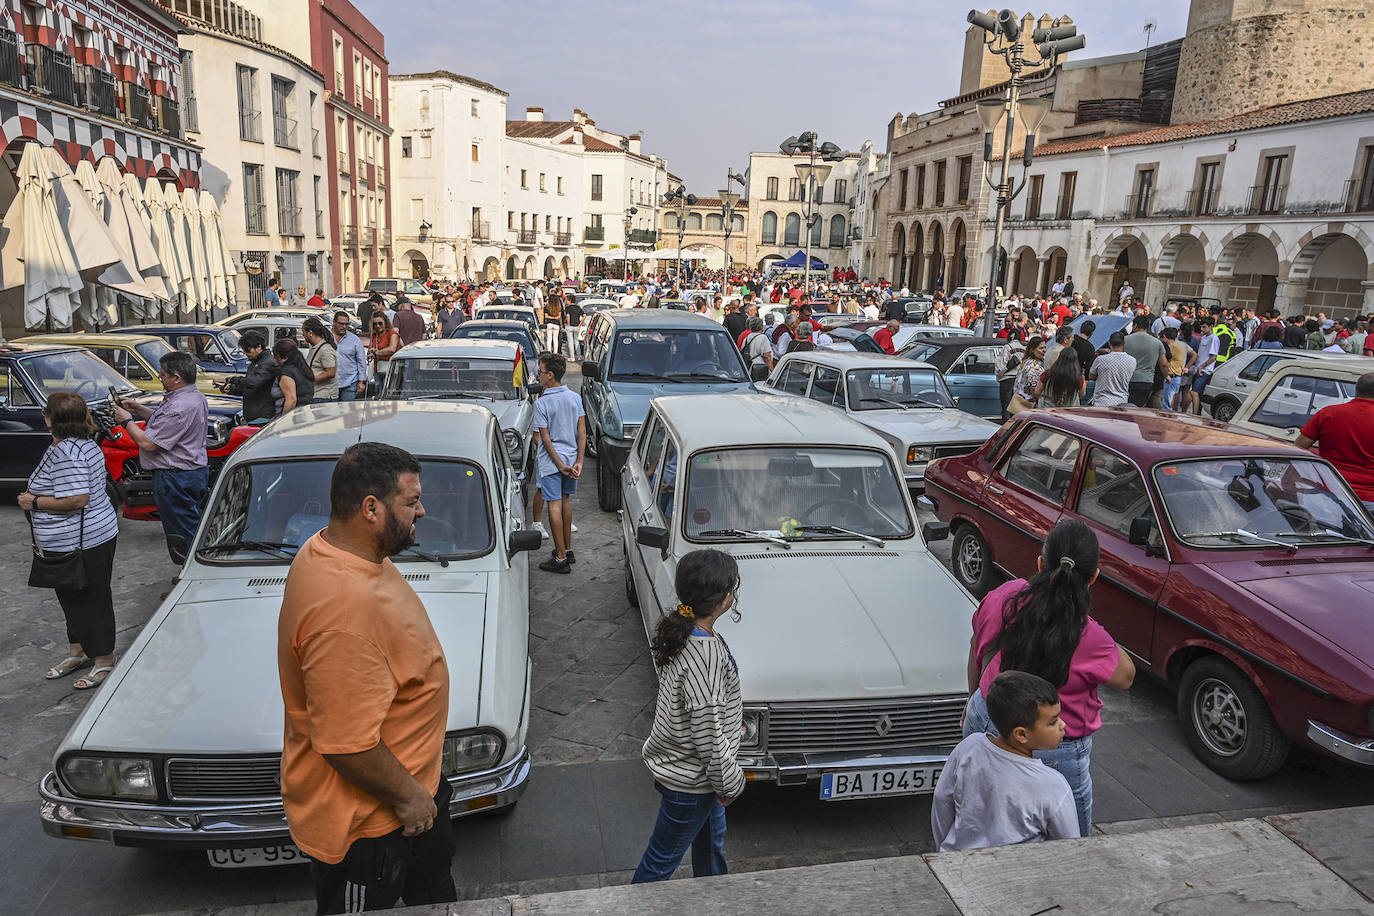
[1200,382]
[556,486]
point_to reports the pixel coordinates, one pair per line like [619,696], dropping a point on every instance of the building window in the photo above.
[841,191]
[772,193]
[965,178]
[339,82]
[548,224]
[249,128]
[345,211]
[283,125]
[1364,185]
[367,79]
[596,221]
[357,79]
[405,147]
[1068,183]
[1139,207]
[543,184]
[474,153]
[901,189]
[1034,195]
[510,219]
[475,110]
[791,233]
[1269,196]
[360,150]
[596,187]
[1204,201]
[254,209]
[837,224]
[189,117]
[524,179]
[941,173]
[560,184]
[319,211]
[920,188]
[424,107]
[288,205]
[715,222]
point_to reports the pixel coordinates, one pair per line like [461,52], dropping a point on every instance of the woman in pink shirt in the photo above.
[1042,626]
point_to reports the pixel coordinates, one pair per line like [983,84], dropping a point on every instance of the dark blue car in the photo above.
[969,365]
[215,347]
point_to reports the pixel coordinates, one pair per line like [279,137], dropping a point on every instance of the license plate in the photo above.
[846,784]
[255,857]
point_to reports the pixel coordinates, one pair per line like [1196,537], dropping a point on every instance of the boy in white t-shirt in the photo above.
[993,792]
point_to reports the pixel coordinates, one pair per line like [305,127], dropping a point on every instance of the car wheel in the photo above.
[607,483]
[971,560]
[1224,409]
[1227,723]
[630,592]
[591,444]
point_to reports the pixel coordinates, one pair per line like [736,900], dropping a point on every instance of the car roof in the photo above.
[847,359]
[1157,435]
[79,339]
[658,318]
[716,420]
[963,340]
[327,428]
[461,347]
[505,324]
[1314,356]
[22,348]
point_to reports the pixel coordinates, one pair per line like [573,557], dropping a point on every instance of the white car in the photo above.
[181,747]
[483,372]
[1234,380]
[905,402]
[274,324]
[1291,392]
[501,311]
[853,645]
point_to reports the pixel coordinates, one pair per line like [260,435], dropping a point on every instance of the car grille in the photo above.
[225,779]
[821,729]
[954,451]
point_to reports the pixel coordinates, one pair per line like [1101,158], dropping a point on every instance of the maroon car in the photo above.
[1238,568]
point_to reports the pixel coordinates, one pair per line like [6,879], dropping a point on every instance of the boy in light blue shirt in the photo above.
[561,426]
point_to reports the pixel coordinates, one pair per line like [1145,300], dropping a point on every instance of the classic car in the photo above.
[132,356]
[1291,392]
[904,402]
[969,365]
[499,329]
[499,312]
[489,373]
[182,746]
[1234,567]
[908,333]
[1234,379]
[853,639]
[413,290]
[632,356]
[215,347]
[1104,326]
[276,323]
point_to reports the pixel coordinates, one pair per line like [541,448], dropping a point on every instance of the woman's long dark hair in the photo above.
[704,578]
[1043,623]
[289,354]
[1064,378]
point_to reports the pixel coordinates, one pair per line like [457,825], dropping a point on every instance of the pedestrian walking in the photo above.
[1181,360]
[1028,376]
[256,385]
[1149,356]
[1111,373]
[172,446]
[1044,627]
[74,527]
[561,426]
[555,319]
[1063,384]
[992,790]
[271,297]
[448,319]
[385,342]
[409,325]
[352,359]
[365,687]
[698,721]
[295,382]
[323,361]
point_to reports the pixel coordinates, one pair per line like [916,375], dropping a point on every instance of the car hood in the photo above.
[206,680]
[832,622]
[926,424]
[1325,597]
[630,400]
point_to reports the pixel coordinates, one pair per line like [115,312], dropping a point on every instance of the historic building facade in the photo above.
[703,228]
[778,208]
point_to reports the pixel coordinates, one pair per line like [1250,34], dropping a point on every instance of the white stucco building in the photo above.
[869,179]
[256,109]
[777,207]
[543,208]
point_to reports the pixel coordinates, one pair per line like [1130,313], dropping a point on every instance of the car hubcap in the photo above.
[1219,717]
[1225,412]
[970,559]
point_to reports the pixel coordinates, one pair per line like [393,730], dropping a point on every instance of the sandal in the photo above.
[67,666]
[93,678]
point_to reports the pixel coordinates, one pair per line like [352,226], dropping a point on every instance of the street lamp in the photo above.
[813,177]
[1004,38]
[728,201]
[628,222]
[682,200]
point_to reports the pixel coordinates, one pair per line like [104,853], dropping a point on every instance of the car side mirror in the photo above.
[534,388]
[1141,526]
[590,370]
[652,536]
[934,531]
[524,539]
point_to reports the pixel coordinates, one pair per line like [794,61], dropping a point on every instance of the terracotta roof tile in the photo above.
[540,130]
[1332,106]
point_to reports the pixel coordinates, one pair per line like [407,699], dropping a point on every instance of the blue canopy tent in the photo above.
[797,260]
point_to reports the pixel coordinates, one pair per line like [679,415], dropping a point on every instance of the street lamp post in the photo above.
[813,176]
[682,200]
[728,201]
[1004,34]
[625,274]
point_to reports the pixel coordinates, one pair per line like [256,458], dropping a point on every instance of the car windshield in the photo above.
[675,353]
[1249,501]
[77,371]
[794,493]
[448,376]
[885,388]
[507,314]
[265,510]
[154,350]
[920,352]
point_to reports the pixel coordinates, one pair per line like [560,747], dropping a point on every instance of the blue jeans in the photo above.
[348,392]
[1071,758]
[684,819]
[179,497]
[1171,388]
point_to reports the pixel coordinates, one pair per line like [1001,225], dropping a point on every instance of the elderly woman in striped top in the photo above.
[698,722]
[69,509]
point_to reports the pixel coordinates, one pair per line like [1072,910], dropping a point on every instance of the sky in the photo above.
[709,81]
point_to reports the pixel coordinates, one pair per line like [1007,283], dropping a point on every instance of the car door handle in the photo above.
[998,490]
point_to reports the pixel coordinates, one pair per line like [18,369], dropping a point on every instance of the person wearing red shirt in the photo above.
[1062,310]
[795,294]
[317,301]
[883,337]
[1345,435]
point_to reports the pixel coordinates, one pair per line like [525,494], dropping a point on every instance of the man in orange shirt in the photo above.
[365,686]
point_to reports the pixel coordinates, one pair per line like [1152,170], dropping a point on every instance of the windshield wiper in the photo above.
[449,394]
[643,375]
[277,547]
[431,557]
[1242,533]
[885,401]
[916,400]
[708,375]
[741,533]
[1326,533]
[836,529]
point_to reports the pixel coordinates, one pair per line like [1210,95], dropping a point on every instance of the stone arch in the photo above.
[491,269]
[935,269]
[1180,243]
[1183,260]
[958,255]
[918,241]
[1234,243]
[1334,268]
[416,263]
[1115,241]
[1309,249]
[511,269]
[1249,264]
[565,268]
[1056,267]
[528,272]
[1023,271]
[899,259]
[549,267]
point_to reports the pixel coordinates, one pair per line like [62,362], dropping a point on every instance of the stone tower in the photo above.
[1240,55]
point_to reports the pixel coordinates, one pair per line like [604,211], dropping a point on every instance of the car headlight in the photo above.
[917,454]
[512,440]
[465,752]
[754,720]
[111,777]
[630,430]
[217,431]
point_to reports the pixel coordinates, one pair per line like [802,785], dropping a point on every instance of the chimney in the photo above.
[534,114]
[577,135]
[590,122]
[635,141]
[579,116]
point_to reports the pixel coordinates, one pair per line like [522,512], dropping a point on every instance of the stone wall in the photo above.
[1309,50]
[1338,297]
[1185,283]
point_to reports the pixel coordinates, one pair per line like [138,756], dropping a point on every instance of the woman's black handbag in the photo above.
[66,571]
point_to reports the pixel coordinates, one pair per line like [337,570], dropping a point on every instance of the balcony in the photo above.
[384,238]
[254,218]
[481,230]
[345,163]
[1138,206]
[49,73]
[284,131]
[1201,202]
[1063,207]
[1359,195]
[168,116]
[249,126]
[289,221]
[95,89]
[137,104]
[11,73]
[369,238]
[643,237]
[527,237]
[594,234]
[1266,199]
[349,237]
[562,239]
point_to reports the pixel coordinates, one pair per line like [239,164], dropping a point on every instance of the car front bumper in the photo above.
[615,451]
[1347,747]
[230,826]
[799,768]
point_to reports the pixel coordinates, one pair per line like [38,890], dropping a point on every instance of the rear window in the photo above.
[1293,401]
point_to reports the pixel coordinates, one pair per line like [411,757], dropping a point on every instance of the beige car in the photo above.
[1290,393]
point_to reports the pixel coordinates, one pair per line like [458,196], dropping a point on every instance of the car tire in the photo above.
[1227,723]
[631,594]
[1223,409]
[970,560]
[607,483]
